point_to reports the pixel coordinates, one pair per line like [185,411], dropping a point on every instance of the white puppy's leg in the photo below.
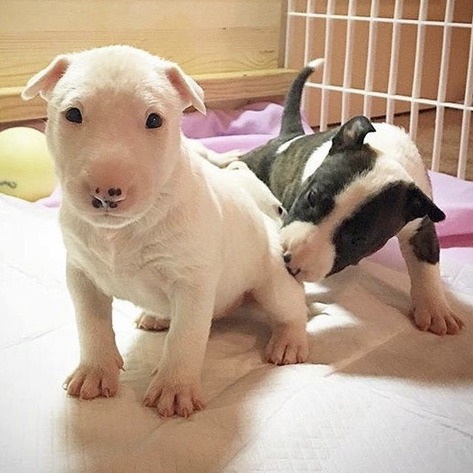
[284,300]
[148,321]
[430,309]
[100,361]
[175,387]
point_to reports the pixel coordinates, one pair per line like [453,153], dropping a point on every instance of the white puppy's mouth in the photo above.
[103,213]
[108,219]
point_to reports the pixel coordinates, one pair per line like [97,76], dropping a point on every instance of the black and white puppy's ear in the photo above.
[351,134]
[419,205]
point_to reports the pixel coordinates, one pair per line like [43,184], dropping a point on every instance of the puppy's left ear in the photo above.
[45,80]
[188,89]
[351,134]
[419,205]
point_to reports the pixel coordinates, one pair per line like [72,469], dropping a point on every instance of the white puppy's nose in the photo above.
[108,198]
[108,183]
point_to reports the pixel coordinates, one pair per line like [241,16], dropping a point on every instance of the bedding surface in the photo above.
[376,395]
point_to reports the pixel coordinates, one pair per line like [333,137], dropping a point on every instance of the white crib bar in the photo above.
[308,32]
[289,32]
[385,95]
[395,40]
[370,62]
[417,78]
[466,118]
[347,71]
[442,89]
[324,102]
[310,5]
[414,98]
[403,21]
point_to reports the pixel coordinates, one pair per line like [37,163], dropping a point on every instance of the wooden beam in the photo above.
[227,89]
[13,108]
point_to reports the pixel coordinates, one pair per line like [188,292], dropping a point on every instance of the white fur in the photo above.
[264,198]
[219,159]
[316,63]
[316,159]
[311,248]
[288,143]
[185,242]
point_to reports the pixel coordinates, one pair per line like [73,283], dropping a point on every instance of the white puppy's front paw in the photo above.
[147,321]
[89,381]
[173,396]
[288,345]
[439,320]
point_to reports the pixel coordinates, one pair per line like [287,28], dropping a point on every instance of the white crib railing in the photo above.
[347,34]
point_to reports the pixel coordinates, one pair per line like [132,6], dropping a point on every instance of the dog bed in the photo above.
[376,395]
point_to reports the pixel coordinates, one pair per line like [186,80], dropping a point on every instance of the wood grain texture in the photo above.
[239,37]
[229,89]
[203,37]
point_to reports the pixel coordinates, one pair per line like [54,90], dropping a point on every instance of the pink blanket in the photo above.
[255,124]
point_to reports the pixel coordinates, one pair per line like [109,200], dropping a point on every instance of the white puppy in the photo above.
[146,219]
[264,198]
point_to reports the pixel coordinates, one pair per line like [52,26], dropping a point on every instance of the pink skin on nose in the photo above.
[109,183]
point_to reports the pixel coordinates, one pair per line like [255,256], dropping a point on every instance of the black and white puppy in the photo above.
[348,191]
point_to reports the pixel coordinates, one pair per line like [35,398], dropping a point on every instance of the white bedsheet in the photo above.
[377,395]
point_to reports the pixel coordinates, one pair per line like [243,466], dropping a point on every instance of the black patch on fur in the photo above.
[282,172]
[425,243]
[335,173]
[420,205]
[383,216]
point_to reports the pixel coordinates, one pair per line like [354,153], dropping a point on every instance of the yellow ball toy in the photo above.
[26,168]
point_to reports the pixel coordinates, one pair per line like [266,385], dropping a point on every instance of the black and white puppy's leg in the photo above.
[176,384]
[430,309]
[100,360]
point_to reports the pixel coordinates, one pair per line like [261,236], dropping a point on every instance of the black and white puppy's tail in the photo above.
[291,119]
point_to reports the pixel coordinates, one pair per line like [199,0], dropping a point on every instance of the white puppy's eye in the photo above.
[73,115]
[154,121]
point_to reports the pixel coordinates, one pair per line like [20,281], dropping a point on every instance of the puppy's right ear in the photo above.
[419,205]
[189,91]
[44,81]
[352,134]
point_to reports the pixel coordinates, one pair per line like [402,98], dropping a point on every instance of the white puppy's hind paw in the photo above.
[441,321]
[91,381]
[288,345]
[173,397]
[147,321]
